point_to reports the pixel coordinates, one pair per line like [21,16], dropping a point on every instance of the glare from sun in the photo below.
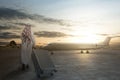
[85,37]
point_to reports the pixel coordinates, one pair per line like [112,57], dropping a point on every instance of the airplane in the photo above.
[76,46]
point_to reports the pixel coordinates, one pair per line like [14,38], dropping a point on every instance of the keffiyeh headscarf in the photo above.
[26,34]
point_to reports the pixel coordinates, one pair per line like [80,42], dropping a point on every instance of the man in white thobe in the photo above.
[26,48]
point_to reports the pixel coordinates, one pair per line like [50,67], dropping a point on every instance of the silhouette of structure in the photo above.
[12,44]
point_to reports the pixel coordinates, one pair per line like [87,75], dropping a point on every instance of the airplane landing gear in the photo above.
[81,51]
[87,51]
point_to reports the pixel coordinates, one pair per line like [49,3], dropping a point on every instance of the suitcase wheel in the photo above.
[51,74]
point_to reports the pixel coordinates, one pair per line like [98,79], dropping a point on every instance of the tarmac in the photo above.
[100,64]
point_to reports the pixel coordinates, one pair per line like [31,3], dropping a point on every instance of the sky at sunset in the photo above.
[81,21]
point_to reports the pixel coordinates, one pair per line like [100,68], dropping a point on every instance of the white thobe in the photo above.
[26,49]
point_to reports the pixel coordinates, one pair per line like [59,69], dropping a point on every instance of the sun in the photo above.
[91,39]
[85,37]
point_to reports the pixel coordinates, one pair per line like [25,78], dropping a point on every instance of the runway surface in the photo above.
[103,64]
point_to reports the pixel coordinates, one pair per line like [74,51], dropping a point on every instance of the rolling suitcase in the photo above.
[43,64]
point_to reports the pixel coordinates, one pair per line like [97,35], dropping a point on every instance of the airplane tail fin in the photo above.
[107,41]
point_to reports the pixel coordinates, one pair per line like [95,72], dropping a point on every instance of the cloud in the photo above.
[7,13]
[11,13]
[103,34]
[8,35]
[50,34]
[12,20]
[6,27]
[44,19]
[110,35]
[67,29]
[23,24]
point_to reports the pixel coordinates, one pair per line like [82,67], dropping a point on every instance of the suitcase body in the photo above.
[43,64]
